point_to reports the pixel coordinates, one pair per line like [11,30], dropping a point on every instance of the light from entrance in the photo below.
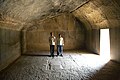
[105,44]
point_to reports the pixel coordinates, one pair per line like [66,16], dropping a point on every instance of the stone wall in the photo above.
[98,14]
[94,14]
[93,40]
[9,45]
[115,44]
[71,29]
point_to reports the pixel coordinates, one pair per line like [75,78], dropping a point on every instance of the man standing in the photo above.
[52,43]
[60,44]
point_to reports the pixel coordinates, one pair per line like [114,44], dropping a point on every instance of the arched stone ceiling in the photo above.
[28,10]
[99,14]
[93,13]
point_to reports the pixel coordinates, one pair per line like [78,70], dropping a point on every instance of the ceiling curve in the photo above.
[99,14]
[94,14]
[28,10]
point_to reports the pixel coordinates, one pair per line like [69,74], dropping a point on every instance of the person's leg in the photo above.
[57,50]
[61,50]
[50,50]
[53,50]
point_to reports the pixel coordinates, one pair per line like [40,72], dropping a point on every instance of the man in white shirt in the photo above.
[60,44]
[52,43]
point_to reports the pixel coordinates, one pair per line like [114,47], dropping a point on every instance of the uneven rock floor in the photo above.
[72,66]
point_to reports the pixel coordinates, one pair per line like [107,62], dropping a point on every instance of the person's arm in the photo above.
[63,42]
[54,39]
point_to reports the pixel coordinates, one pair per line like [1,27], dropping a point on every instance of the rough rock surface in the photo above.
[69,67]
[99,14]
[10,46]
[93,13]
[27,10]
[36,36]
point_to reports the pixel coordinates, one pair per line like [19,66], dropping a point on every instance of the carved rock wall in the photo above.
[10,46]
[115,44]
[94,15]
[72,31]
[97,14]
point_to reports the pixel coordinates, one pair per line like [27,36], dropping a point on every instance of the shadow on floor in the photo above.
[111,71]
[40,55]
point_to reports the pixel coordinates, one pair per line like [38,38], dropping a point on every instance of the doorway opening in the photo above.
[105,44]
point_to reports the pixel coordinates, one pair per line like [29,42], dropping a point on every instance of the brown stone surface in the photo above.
[115,43]
[94,13]
[99,14]
[66,24]
[43,16]
[93,40]
[28,10]
[10,47]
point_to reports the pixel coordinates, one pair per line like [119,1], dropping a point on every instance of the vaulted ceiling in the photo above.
[93,13]
[99,14]
[27,10]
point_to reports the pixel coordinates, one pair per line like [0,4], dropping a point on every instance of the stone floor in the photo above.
[72,66]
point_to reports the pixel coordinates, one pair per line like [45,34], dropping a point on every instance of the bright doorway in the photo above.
[105,44]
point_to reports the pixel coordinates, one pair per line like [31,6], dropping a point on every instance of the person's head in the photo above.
[59,35]
[51,33]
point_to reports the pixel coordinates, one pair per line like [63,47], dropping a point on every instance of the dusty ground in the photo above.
[72,66]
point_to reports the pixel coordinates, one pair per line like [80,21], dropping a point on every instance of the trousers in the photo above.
[52,50]
[59,49]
